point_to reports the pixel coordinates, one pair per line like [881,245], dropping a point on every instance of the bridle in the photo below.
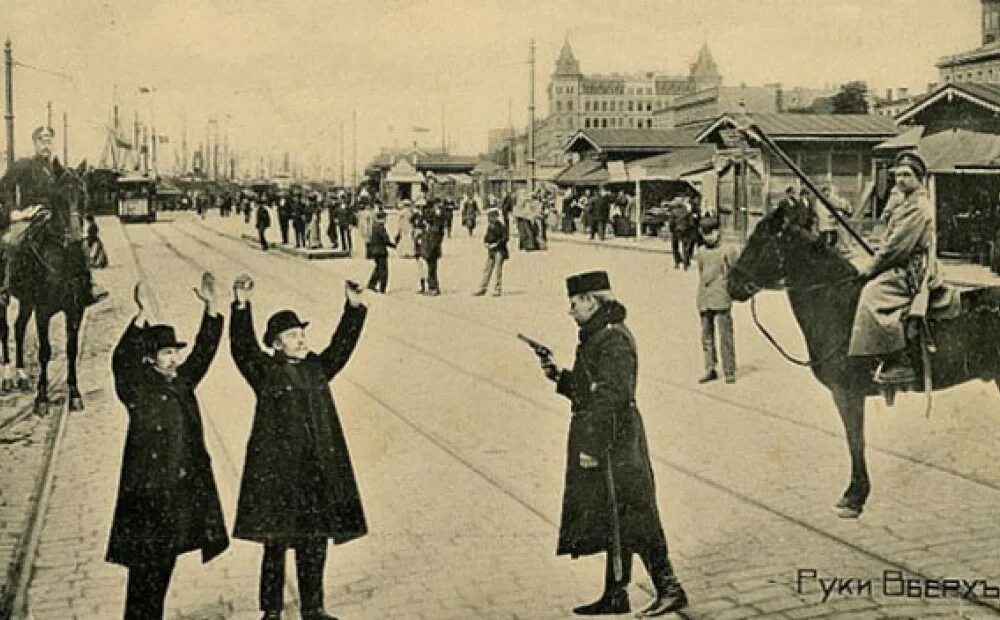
[753,289]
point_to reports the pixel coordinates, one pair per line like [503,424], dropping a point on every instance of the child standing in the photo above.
[715,258]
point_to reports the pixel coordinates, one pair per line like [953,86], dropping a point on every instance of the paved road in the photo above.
[459,445]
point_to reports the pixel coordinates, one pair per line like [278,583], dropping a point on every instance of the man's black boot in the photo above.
[611,602]
[670,597]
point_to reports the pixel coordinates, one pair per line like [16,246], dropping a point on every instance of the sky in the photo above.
[284,75]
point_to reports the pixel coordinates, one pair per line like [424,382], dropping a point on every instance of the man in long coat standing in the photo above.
[298,488]
[168,503]
[609,502]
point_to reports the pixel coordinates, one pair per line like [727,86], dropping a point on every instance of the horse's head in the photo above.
[69,194]
[766,257]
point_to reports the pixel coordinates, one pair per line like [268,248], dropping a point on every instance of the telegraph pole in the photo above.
[65,138]
[354,152]
[342,179]
[9,114]
[531,124]
[48,114]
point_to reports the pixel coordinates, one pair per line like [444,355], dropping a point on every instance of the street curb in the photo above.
[610,246]
[24,564]
[323,254]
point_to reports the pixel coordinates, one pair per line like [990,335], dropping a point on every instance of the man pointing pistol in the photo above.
[609,502]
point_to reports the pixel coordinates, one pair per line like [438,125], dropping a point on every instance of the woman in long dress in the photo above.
[406,248]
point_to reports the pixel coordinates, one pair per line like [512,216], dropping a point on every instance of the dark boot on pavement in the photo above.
[611,603]
[711,375]
[479,293]
[670,596]
[423,284]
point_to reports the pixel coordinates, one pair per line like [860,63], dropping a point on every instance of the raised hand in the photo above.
[242,289]
[206,292]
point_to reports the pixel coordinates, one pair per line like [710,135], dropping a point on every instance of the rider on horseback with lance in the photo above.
[25,192]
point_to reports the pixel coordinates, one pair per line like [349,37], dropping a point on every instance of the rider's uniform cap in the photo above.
[588,282]
[43,130]
[913,161]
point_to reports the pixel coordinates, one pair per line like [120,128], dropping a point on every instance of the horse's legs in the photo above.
[44,355]
[851,406]
[6,379]
[73,320]
[24,311]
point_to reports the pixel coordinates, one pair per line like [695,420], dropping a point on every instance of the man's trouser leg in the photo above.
[263,239]
[310,559]
[373,280]
[487,272]
[432,275]
[499,282]
[147,588]
[382,266]
[708,339]
[283,224]
[676,247]
[610,583]
[689,248]
[272,578]
[727,342]
[345,237]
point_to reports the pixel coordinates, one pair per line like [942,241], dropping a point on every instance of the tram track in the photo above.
[233,258]
[764,412]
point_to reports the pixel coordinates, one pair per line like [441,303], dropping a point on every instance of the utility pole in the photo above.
[342,179]
[531,124]
[48,114]
[66,138]
[136,145]
[215,151]
[184,145]
[444,147]
[9,114]
[354,151]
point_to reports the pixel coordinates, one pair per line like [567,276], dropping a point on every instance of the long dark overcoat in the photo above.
[168,503]
[607,426]
[298,481]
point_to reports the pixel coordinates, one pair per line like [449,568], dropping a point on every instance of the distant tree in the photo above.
[851,99]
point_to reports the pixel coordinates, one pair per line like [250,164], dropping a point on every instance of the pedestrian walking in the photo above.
[431,247]
[98,257]
[333,222]
[470,211]
[299,219]
[314,213]
[298,488]
[680,225]
[609,501]
[284,218]
[168,503]
[496,253]
[448,212]
[263,223]
[715,260]
[346,220]
[379,250]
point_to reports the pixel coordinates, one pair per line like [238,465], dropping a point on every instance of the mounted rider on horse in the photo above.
[25,208]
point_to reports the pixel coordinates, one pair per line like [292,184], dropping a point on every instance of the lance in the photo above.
[755,132]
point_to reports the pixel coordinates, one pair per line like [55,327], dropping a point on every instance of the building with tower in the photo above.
[982,64]
[580,100]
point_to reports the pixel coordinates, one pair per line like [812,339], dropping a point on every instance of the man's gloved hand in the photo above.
[550,368]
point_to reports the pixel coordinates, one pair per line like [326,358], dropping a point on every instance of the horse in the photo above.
[786,251]
[47,279]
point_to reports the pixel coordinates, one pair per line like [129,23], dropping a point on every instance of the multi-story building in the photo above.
[617,100]
[708,104]
[981,64]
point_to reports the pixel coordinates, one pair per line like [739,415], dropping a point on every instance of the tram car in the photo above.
[136,198]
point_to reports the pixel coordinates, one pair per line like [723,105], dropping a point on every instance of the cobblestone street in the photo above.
[459,444]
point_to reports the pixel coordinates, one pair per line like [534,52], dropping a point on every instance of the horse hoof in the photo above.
[76,403]
[847,512]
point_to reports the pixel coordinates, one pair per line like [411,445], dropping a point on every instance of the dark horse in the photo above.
[47,279]
[824,288]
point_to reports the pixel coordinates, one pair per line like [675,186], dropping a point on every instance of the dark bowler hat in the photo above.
[708,224]
[162,337]
[913,161]
[279,322]
[588,282]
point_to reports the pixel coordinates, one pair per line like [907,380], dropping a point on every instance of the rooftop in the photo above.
[789,125]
